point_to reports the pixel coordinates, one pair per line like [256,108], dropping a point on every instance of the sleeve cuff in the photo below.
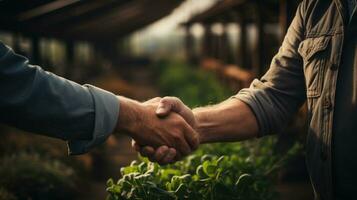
[106,107]
[248,98]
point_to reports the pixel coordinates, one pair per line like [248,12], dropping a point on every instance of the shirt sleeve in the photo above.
[41,102]
[106,107]
[278,95]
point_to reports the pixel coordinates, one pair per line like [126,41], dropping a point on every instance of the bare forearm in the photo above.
[231,120]
[128,115]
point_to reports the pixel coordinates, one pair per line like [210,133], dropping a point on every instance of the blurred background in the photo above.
[200,50]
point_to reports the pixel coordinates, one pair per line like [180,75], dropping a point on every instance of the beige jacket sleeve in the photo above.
[276,96]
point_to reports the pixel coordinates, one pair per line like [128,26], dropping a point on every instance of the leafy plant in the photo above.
[194,86]
[6,195]
[29,176]
[222,171]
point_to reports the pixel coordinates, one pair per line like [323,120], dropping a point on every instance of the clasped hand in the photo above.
[174,136]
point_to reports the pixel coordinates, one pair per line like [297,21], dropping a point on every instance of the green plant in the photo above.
[6,195]
[215,171]
[194,86]
[221,171]
[30,176]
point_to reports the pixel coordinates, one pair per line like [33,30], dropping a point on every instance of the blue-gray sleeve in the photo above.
[41,102]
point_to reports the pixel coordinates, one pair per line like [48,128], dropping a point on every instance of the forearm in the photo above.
[129,116]
[231,120]
[41,102]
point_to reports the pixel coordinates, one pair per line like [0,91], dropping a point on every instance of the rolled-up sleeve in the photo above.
[278,95]
[41,102]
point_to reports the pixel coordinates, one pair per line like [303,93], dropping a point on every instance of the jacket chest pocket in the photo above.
[315,56]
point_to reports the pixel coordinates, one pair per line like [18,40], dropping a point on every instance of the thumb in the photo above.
[174,104]
[164,108]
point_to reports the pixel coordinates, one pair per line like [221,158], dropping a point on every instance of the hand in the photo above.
[165,154]
[147,129]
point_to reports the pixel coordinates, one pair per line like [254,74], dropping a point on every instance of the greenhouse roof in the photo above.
[227,10]
[90,20]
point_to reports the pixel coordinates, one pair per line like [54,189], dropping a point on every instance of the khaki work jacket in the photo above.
[305,70]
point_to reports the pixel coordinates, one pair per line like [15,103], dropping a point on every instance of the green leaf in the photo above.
[200,172]
[209,168]
[244,180]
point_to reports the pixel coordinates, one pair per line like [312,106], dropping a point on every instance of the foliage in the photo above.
[14,140]
[6,195]
[215,171]
[194,86]
[236,171]
[29,176]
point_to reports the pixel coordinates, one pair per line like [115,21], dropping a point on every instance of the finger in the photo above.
[160,153]
[147,151]
[180,108]
[163,109]
[169,158]
[187,114]
[182,146]
[168,104]
[191,136]
[174,104]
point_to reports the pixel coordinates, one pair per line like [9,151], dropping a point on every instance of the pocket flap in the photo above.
[311,46]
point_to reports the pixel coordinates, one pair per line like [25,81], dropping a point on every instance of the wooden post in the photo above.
[207,41]
[224,48]
[35,51]
[286,14]
[189,44]
[16,46]
[243,43]
[283,18]
[258,60]
[70,59]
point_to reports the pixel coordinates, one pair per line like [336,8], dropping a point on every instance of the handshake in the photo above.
[162,129]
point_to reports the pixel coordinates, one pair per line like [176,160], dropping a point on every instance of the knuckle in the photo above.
[163,100]
[174,99]
[178,100]
[171,99]
[166,98]
[157,99]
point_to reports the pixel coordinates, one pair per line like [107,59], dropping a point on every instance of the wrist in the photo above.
[200,120]
[129,115]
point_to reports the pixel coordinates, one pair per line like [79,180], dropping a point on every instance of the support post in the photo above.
[70,59]
[207,42]
[35,51]
[189,44]
[243,43]
[258,60]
